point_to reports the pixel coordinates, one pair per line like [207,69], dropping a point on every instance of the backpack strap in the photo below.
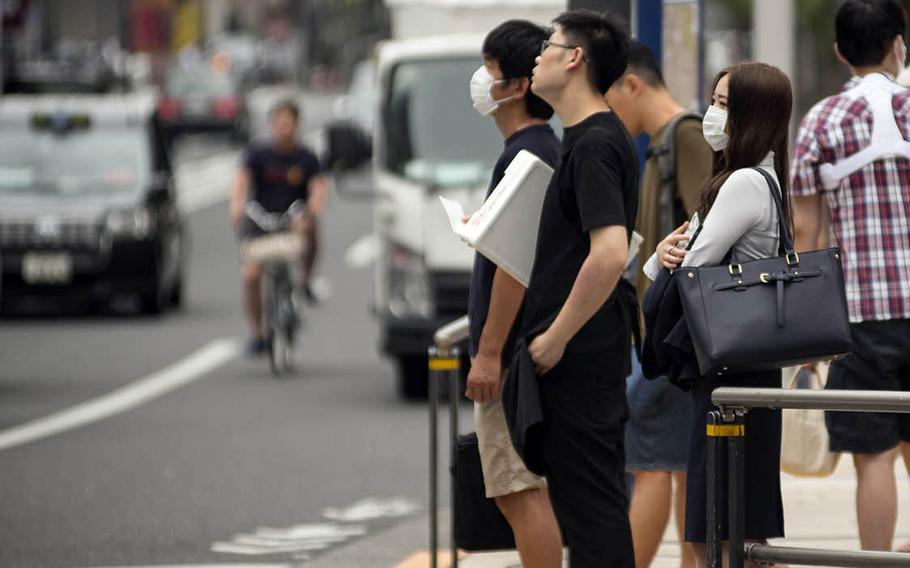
[671,211]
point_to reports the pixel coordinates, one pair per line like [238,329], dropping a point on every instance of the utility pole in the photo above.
[774,29]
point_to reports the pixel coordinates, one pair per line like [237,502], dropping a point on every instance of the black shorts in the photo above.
[880,360]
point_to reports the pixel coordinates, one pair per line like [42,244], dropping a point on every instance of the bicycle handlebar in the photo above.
[272,222]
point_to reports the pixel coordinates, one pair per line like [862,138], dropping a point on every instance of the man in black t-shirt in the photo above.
[501,88]
[576,315]
[277,176]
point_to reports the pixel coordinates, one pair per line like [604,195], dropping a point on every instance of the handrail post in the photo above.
[434,378]
[729,422]
[715,450]
[444,362]
[736,448]
[454,397]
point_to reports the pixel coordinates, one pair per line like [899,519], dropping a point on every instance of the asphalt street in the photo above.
[198,474]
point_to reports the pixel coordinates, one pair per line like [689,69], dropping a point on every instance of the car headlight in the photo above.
[136,223]
[409,286]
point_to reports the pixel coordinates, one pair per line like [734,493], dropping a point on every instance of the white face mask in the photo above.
[714,126]
[481,83]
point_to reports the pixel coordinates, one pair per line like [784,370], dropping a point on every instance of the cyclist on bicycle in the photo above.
[275,175]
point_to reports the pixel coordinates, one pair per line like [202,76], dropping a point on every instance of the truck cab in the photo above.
[429,142]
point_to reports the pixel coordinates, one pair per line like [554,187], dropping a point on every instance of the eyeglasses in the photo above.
[547,43]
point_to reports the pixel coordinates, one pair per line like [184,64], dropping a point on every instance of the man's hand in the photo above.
[302,224]
[485,378]
[546,351]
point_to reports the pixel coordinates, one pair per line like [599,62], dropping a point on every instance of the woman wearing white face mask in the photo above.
[747,126]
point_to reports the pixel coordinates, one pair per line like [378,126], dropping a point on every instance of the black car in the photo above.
[199,97]
[88,202]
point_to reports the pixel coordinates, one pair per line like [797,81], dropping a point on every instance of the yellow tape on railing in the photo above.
[726,430]
[444,364]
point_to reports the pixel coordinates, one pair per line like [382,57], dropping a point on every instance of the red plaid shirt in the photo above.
[870,211]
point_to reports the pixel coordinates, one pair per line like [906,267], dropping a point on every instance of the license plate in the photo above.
[196,107]
[47,268]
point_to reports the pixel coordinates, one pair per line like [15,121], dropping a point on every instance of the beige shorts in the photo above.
[503,471]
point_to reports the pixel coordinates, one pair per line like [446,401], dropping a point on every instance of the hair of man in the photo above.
[604,40]
[643,63]
[865,30]
[759,104]
[514,44]
[285,105]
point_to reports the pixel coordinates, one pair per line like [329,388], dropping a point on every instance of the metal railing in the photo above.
[726,431]
[444,361]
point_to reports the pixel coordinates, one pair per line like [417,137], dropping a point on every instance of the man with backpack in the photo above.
[678,163]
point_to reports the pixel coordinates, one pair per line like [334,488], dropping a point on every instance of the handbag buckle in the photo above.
[735,269]
[792,259]
[765,278]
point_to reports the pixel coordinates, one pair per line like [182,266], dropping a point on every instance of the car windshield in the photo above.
[93,161]
[432,133]
[200,81]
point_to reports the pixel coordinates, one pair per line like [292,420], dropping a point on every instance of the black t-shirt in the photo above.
[595,185]
[278,179]
[543,143]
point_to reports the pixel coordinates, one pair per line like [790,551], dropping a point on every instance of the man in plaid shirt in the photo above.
[870,221]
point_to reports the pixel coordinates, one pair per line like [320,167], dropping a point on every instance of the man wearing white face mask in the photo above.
[852,151]
[500,88]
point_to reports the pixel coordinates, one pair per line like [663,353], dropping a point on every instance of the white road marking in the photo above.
[373,508]
[364,252]
[179,374]
[296,539]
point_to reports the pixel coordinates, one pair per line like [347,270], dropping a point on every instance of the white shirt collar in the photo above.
[768,162]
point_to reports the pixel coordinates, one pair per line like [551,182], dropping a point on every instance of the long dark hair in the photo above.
[760,101]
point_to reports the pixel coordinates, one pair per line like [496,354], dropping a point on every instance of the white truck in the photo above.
[429,141]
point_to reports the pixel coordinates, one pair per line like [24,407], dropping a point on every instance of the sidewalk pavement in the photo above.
[819,513]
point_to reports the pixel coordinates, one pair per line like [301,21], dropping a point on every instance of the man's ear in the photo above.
[634,84]
[839,55]
[578,56]
[522,87]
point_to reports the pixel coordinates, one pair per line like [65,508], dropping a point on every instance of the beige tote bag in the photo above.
[804,440]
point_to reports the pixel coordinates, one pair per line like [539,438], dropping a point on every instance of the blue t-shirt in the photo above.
[278,179]
[543,143]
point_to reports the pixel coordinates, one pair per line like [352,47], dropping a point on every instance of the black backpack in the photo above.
[672,211]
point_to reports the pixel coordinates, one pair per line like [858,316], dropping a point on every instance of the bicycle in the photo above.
[279,252]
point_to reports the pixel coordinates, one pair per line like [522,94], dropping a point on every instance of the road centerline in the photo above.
[179,374]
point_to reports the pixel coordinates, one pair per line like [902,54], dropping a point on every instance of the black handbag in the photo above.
[479,525]
[770,313]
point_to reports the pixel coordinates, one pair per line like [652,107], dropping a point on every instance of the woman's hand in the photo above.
[669,253]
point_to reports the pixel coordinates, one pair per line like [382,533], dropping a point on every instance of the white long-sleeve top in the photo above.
[743,218]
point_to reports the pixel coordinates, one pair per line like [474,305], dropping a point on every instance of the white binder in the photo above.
[504,229]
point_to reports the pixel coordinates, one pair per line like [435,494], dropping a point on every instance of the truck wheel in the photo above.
[175,297]
[412,377]
[154,301]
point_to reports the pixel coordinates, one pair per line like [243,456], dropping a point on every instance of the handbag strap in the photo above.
[785,245]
